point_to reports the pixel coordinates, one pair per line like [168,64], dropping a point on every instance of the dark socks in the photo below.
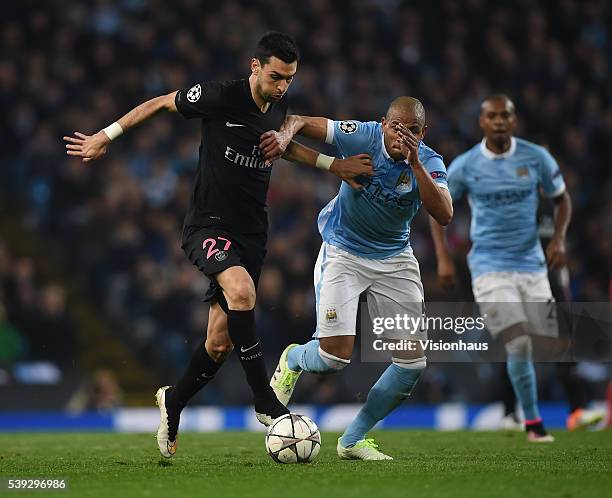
[200,371]
[241,328]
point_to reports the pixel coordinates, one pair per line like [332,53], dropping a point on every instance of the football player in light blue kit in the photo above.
[502,177]
[366,248]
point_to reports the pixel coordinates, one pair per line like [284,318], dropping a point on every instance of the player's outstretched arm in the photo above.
[274,143]
[555,250]
[347,169]
[92,147]
[446,268]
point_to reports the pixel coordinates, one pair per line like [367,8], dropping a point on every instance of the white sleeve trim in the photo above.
[329,136]
[442,185]
[557,192]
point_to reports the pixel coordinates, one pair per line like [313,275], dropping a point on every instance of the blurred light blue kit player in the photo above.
[366,249]
[502,177]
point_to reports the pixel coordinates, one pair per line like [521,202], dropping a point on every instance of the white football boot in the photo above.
[166,447]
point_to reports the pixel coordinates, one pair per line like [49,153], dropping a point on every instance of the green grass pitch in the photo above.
[427,464]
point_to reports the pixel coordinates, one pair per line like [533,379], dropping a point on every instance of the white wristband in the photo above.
[113,131]
[324,162]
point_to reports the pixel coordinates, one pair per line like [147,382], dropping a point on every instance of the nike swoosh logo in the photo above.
[232,125]
[244,350]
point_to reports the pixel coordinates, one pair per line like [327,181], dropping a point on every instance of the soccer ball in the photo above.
[293,439]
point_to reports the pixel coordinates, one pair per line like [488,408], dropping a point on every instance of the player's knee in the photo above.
[335,363]
[338,346]
[514,331]
[408,355]
[241,295]
[519,347]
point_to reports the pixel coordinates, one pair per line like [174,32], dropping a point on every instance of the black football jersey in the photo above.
[232,178]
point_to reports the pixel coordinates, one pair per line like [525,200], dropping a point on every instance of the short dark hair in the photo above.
[496,97]
[279,45]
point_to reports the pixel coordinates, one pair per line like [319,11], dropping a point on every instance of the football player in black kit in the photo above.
[225,230]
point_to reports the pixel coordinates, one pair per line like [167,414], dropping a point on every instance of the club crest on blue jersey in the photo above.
[404,183]
[522,172]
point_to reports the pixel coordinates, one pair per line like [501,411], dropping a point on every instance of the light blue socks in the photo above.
[394,386]
[523,378]
[311,358]
[522,375]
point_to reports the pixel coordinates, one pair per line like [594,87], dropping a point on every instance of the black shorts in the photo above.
[213,250]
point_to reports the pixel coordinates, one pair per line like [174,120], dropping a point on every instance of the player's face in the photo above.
[389,125]
[273,78]
[498,120]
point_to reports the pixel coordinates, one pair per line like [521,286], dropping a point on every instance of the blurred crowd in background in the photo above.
[113,226]
[34,321]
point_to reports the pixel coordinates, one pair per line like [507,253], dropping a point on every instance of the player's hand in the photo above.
[555,253]
[350,168]
[89,147]
[408,143]
[274,143]
[446,274]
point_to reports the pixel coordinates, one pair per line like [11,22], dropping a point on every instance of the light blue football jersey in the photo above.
[374,222]
[503,193]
